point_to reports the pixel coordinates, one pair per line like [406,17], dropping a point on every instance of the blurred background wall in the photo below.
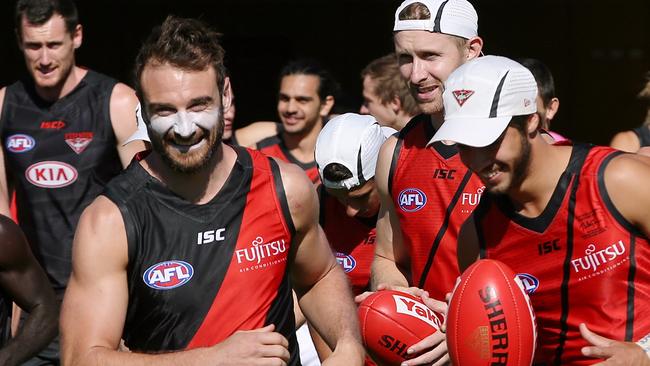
[598,51]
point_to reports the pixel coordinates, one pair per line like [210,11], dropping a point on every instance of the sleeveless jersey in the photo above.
[352,239]
[433,193]
[579,260]
[274,146]
[59,157]
[643,133]
[198,273]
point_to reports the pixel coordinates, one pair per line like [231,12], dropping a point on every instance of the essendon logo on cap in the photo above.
[461,96]
[78,141]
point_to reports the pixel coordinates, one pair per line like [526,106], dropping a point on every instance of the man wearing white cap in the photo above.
[426,192]
[572,220]
[346,156]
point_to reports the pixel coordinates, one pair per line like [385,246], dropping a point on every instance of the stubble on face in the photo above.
[188,161]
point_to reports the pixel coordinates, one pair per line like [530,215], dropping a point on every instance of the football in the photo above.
[490,320]
[392,321]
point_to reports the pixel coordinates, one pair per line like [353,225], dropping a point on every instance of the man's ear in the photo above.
[226,97]
[395,105]
[77,36]
[326,106]
[474,47]
[533,124]
[551,108]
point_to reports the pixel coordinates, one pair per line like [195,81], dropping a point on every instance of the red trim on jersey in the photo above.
[277,152]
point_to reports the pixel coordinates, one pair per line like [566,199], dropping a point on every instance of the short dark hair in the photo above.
[335,172]
[543,77]
[326,86]
[384,71]
[188,44]
[38,12]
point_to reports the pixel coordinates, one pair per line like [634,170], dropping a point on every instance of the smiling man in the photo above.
[62,131]
[191,254]
[306,96]
[571,220]
[426,192]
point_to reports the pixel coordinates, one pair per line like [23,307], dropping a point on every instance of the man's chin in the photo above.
[431,107]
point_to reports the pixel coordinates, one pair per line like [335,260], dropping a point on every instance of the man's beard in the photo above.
[521,165]
[188,162]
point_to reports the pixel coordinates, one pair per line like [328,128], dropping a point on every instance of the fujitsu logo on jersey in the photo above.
[412,199]
[468,200]
[260,250]
[404,305]
[595,259]
[168,275]
[346,261]
[51,174]
[20,143]
[207,237]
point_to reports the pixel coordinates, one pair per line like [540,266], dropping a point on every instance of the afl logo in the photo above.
[168,275]
[51,174]
[346,261]
[529,282]
[20,143]
[412,199]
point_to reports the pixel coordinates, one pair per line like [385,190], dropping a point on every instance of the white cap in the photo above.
[352,140]
[454,17]
[482,96]
[141,133]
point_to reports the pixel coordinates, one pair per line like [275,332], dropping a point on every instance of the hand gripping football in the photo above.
[392,321]
[490,320]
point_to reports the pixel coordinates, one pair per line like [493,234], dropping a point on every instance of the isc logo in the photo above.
[207,237]
[20,143]
[168,275]
[404,305]
[528,282]
[412,199]
[51,174]
[346,261]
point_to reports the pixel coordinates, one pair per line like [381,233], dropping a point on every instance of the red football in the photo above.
[392,321]
[490,320]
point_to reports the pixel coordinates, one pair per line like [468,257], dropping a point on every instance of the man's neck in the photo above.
[302,145]
[547,164]
[64,88]
[199,187]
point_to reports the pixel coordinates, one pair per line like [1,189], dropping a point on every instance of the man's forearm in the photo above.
[37,332]
[100,356]
[330,308]
[385,271]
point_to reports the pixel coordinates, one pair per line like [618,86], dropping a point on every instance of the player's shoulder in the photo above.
[627,168]
[626,141]
[101,215]
[294,179]
[255,132]
[123,95]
